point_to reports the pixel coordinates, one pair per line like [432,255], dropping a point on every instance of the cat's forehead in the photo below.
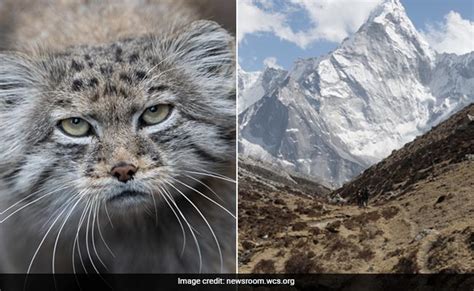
[125,72]
[132,52]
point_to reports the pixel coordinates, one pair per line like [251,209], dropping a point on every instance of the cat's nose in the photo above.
[123,172]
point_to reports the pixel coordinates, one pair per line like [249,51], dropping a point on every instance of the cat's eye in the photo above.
[156,114]
[75,126]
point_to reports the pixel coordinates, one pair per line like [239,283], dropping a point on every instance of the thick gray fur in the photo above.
[186,165]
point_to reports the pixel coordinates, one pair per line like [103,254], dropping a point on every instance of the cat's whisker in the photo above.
[43,239]
[179,220]
[211,175]
[205,220]
[156,209]
[205,185]
[205,196]
[108,216]
[214,173]
[32,202]
[101,236]
[190,228]
[174,203]
[76,239]
[92,210]
[94,217]
[62,187]
[54,213]
[61,228]
[87,238]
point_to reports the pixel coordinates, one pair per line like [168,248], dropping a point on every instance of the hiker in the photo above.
[362,198]
[359,198]
[365,197]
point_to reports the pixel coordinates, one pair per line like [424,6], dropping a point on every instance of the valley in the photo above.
[419,218]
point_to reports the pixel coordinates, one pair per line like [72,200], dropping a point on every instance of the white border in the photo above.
[236,139]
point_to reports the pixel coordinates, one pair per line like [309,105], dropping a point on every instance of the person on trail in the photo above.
[359,198]
[362,198]
[365,197]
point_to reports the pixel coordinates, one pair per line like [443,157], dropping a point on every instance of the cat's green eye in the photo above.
[156,114]
[75,126]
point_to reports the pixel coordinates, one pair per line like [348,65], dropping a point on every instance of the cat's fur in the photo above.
[107,63]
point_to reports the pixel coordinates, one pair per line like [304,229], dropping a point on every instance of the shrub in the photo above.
[300,263]
[264,267]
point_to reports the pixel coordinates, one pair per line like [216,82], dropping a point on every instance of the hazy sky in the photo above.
[277,32]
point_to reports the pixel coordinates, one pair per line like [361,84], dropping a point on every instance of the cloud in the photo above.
[330,20]
[334,20]
[271,62]
[253,19]
[455,35]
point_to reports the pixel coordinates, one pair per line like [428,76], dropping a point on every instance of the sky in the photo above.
[277,32]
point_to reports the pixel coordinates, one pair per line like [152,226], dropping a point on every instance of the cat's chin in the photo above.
[126,199]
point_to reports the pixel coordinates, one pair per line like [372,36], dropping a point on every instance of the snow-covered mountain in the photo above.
[255,85]
[334,116]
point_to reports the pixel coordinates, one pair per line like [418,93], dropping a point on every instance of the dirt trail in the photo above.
[422,255]
[406,218]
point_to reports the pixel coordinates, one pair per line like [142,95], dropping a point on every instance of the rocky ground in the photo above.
[420,218]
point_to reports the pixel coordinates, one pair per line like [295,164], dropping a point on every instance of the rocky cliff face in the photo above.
[254,85]
[334,116]
[436,152]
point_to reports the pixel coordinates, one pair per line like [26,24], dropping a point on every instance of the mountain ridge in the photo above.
[333,116]
[428,156]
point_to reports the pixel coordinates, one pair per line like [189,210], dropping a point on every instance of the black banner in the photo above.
[385,282]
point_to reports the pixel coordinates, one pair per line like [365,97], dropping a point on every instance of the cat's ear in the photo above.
[208,49]
[17,79]
[17,86]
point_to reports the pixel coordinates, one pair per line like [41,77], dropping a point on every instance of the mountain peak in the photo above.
[337,114]
[388,7]
[390,23]
[270,71]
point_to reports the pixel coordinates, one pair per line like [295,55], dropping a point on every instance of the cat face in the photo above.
[119,123]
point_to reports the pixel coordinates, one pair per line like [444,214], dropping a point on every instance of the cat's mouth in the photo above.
[127,196]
